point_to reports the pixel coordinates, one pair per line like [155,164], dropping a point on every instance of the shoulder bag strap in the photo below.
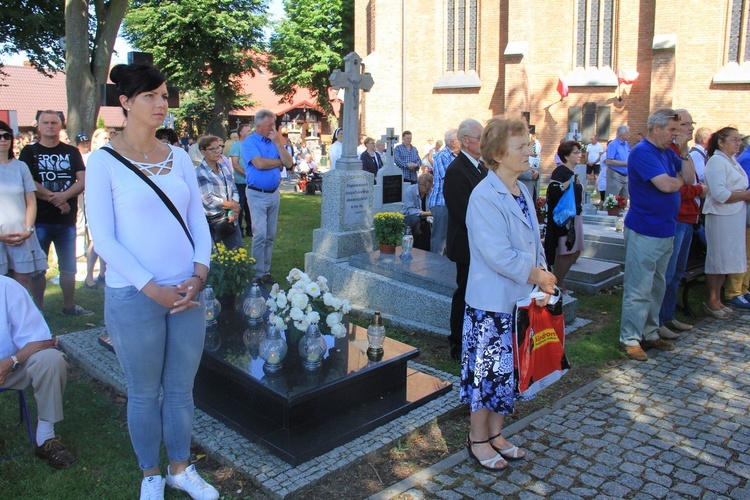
[156,189]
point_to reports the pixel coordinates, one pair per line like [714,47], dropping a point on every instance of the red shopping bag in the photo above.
[539,344]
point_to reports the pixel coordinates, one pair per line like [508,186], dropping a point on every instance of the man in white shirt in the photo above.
[28,358]
[698,152]
[594,152]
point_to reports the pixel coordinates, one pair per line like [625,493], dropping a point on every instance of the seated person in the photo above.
[415,211]
[28,358]
[307,165]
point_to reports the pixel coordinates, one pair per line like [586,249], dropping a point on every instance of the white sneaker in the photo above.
[191,483]
[152,488]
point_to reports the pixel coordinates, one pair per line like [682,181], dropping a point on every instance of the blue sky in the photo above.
[275,8]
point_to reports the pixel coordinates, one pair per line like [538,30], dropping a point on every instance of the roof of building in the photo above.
[26,91]
[259,88]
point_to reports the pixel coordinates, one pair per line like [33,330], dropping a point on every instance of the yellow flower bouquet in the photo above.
[231,270]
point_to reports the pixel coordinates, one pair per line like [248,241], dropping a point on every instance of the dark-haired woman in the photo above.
[156,269]
[726,213]
[563,244]
[20,252]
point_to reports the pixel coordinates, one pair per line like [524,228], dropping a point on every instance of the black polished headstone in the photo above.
[392,189]
[299,414]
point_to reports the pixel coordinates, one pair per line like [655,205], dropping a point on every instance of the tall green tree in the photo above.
[201,43]
[87,27]
[308,44]
[90,32]
[34,27]
[197,108]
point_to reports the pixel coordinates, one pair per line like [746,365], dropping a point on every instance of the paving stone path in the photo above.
[675,426]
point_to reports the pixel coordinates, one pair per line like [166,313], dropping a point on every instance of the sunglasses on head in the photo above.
[6,135]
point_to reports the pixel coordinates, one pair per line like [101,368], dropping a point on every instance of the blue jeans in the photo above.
[439,229]
[264,210]
[158,352]
[234,240]
[64,238]
[244,210]
[646,261]
[675,269]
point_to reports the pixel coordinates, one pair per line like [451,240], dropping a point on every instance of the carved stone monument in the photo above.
[346,213]
[389,190]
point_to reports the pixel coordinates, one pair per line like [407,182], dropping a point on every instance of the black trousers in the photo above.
[459,305]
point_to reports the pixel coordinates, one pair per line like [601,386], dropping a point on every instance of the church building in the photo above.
[437,62]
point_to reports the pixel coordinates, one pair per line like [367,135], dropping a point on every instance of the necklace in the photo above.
[145,155]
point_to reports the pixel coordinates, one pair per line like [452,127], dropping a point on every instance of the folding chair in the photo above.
[23,414]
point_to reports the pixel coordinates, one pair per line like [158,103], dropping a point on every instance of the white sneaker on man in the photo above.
[152,488]
[191,483]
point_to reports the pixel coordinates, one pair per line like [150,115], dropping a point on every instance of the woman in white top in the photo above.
[156,268]
[337,148]
[20,253]
[726,214]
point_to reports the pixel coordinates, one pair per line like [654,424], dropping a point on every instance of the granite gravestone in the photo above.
[346,212]
[389,190]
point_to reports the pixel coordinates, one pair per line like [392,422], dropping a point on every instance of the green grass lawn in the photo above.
[95,425]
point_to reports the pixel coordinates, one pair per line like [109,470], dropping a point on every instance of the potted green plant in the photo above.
[231,271]
[389,229]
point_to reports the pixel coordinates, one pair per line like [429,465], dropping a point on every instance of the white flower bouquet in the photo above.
[297,304]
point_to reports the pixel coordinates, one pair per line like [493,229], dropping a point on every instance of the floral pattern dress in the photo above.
[487,374]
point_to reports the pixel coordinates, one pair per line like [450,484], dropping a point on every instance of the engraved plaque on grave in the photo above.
[357,209]
[392,189]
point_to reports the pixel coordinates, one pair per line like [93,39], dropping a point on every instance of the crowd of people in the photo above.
[472,197]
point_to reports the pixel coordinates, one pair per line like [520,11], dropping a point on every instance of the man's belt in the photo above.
[620,173]
[262,190]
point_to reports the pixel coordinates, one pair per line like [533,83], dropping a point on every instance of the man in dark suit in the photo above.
[461,177]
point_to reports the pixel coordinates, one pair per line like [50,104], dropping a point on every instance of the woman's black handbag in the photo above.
[220,226]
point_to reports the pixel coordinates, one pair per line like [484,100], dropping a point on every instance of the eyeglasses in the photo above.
[215,148]
[729,139]
[472,137]
[7,136]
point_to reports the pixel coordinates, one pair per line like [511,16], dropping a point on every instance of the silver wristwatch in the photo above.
[30,228]
[16,364]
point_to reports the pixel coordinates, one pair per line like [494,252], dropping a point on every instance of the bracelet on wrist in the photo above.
[203,281]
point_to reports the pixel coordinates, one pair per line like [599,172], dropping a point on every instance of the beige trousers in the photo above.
[46,371]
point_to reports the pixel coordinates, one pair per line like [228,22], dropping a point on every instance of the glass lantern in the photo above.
[312,348]
[273,350]
[619,224]
[254,305]
[375,338]
[213,308]
[407,242]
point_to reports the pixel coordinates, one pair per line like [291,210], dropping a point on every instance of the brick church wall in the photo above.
[409,57]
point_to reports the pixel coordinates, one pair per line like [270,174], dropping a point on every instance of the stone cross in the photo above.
[352,80]
[390,139]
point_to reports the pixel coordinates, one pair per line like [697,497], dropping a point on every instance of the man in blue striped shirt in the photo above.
[436,200]
[407,158]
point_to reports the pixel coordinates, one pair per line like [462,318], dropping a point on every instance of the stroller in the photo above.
[309,183]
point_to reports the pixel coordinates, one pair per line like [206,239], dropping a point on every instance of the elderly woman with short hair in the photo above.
[507,262]
[218,191]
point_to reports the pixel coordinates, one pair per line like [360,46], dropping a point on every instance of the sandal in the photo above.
[508,453]
[489,463]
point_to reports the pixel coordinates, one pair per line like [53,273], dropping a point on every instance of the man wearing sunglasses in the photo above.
[58,173]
